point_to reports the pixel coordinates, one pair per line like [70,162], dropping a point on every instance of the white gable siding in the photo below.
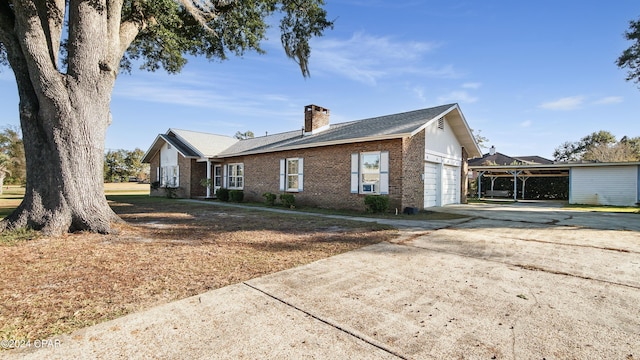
[442,142]
[443,158]
[168,157]
[606,185]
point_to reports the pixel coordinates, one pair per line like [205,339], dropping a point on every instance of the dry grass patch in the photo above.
[168,250]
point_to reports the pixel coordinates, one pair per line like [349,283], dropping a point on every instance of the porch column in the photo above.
[209,181]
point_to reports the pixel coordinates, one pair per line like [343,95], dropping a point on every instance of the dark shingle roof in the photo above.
[495,159]
[534,159]
[382,126]
[183,148]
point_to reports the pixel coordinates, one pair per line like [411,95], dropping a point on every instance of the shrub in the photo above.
[376,203]
[171,192]
[155,185]
[288,200]
[222,194]
[269,198]
[236,195]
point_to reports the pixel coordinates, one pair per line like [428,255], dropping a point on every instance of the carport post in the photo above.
[480,183]
[524,181]
[515,183]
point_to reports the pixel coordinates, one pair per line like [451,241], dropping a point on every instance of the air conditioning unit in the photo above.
[369,188]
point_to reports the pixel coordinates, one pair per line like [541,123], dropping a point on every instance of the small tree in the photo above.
[244,135]
[5,162]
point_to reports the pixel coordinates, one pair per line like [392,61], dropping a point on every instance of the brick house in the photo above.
[417,158]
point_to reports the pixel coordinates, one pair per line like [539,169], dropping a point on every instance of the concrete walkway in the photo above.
[506,283]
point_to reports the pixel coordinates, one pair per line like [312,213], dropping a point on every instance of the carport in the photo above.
[591,183]
[522,172]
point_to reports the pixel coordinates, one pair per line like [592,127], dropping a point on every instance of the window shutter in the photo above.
[224,176]
[384,173]
[283,174]
[158,178]
[354,173]
[300,174]
[177,176]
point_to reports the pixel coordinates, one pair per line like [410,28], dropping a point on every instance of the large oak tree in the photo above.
[66,56]
[630,57]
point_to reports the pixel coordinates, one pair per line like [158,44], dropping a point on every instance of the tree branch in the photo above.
[51,13]
[114,16]
[34,47]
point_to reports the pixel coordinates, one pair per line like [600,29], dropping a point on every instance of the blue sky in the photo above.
[528,75]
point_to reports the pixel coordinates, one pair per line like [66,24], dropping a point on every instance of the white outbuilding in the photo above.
[605,184]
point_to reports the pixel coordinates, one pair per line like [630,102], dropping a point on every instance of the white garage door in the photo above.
[441,184]
[450,185]
[431,176]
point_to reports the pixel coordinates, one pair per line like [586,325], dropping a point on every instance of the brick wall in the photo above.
[198,172]
[327,174]
[153,165]
[184,177]
[412,170]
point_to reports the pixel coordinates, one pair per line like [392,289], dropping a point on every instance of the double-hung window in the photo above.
[235,176]
[217,176]
[370,172]
[169,176]
[291,174]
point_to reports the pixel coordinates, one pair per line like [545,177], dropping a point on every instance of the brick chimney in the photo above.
[316,119]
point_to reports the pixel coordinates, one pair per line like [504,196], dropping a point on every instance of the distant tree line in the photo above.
[124,165]
[12,158]
[600,146]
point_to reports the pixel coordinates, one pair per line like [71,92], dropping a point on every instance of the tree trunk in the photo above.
[64,147]
[64,114]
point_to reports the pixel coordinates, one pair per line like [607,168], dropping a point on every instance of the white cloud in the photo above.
[526,123]
[185,91]
[366,58]
[419,92]
[609,100]
[566,103]
[473,85]
[457,96]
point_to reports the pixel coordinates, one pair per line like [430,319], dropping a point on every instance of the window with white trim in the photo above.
[235,176]
[217,176]
[291,174]
[370,172]
[169,176]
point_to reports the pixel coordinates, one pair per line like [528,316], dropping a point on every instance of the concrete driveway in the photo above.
[509,282]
